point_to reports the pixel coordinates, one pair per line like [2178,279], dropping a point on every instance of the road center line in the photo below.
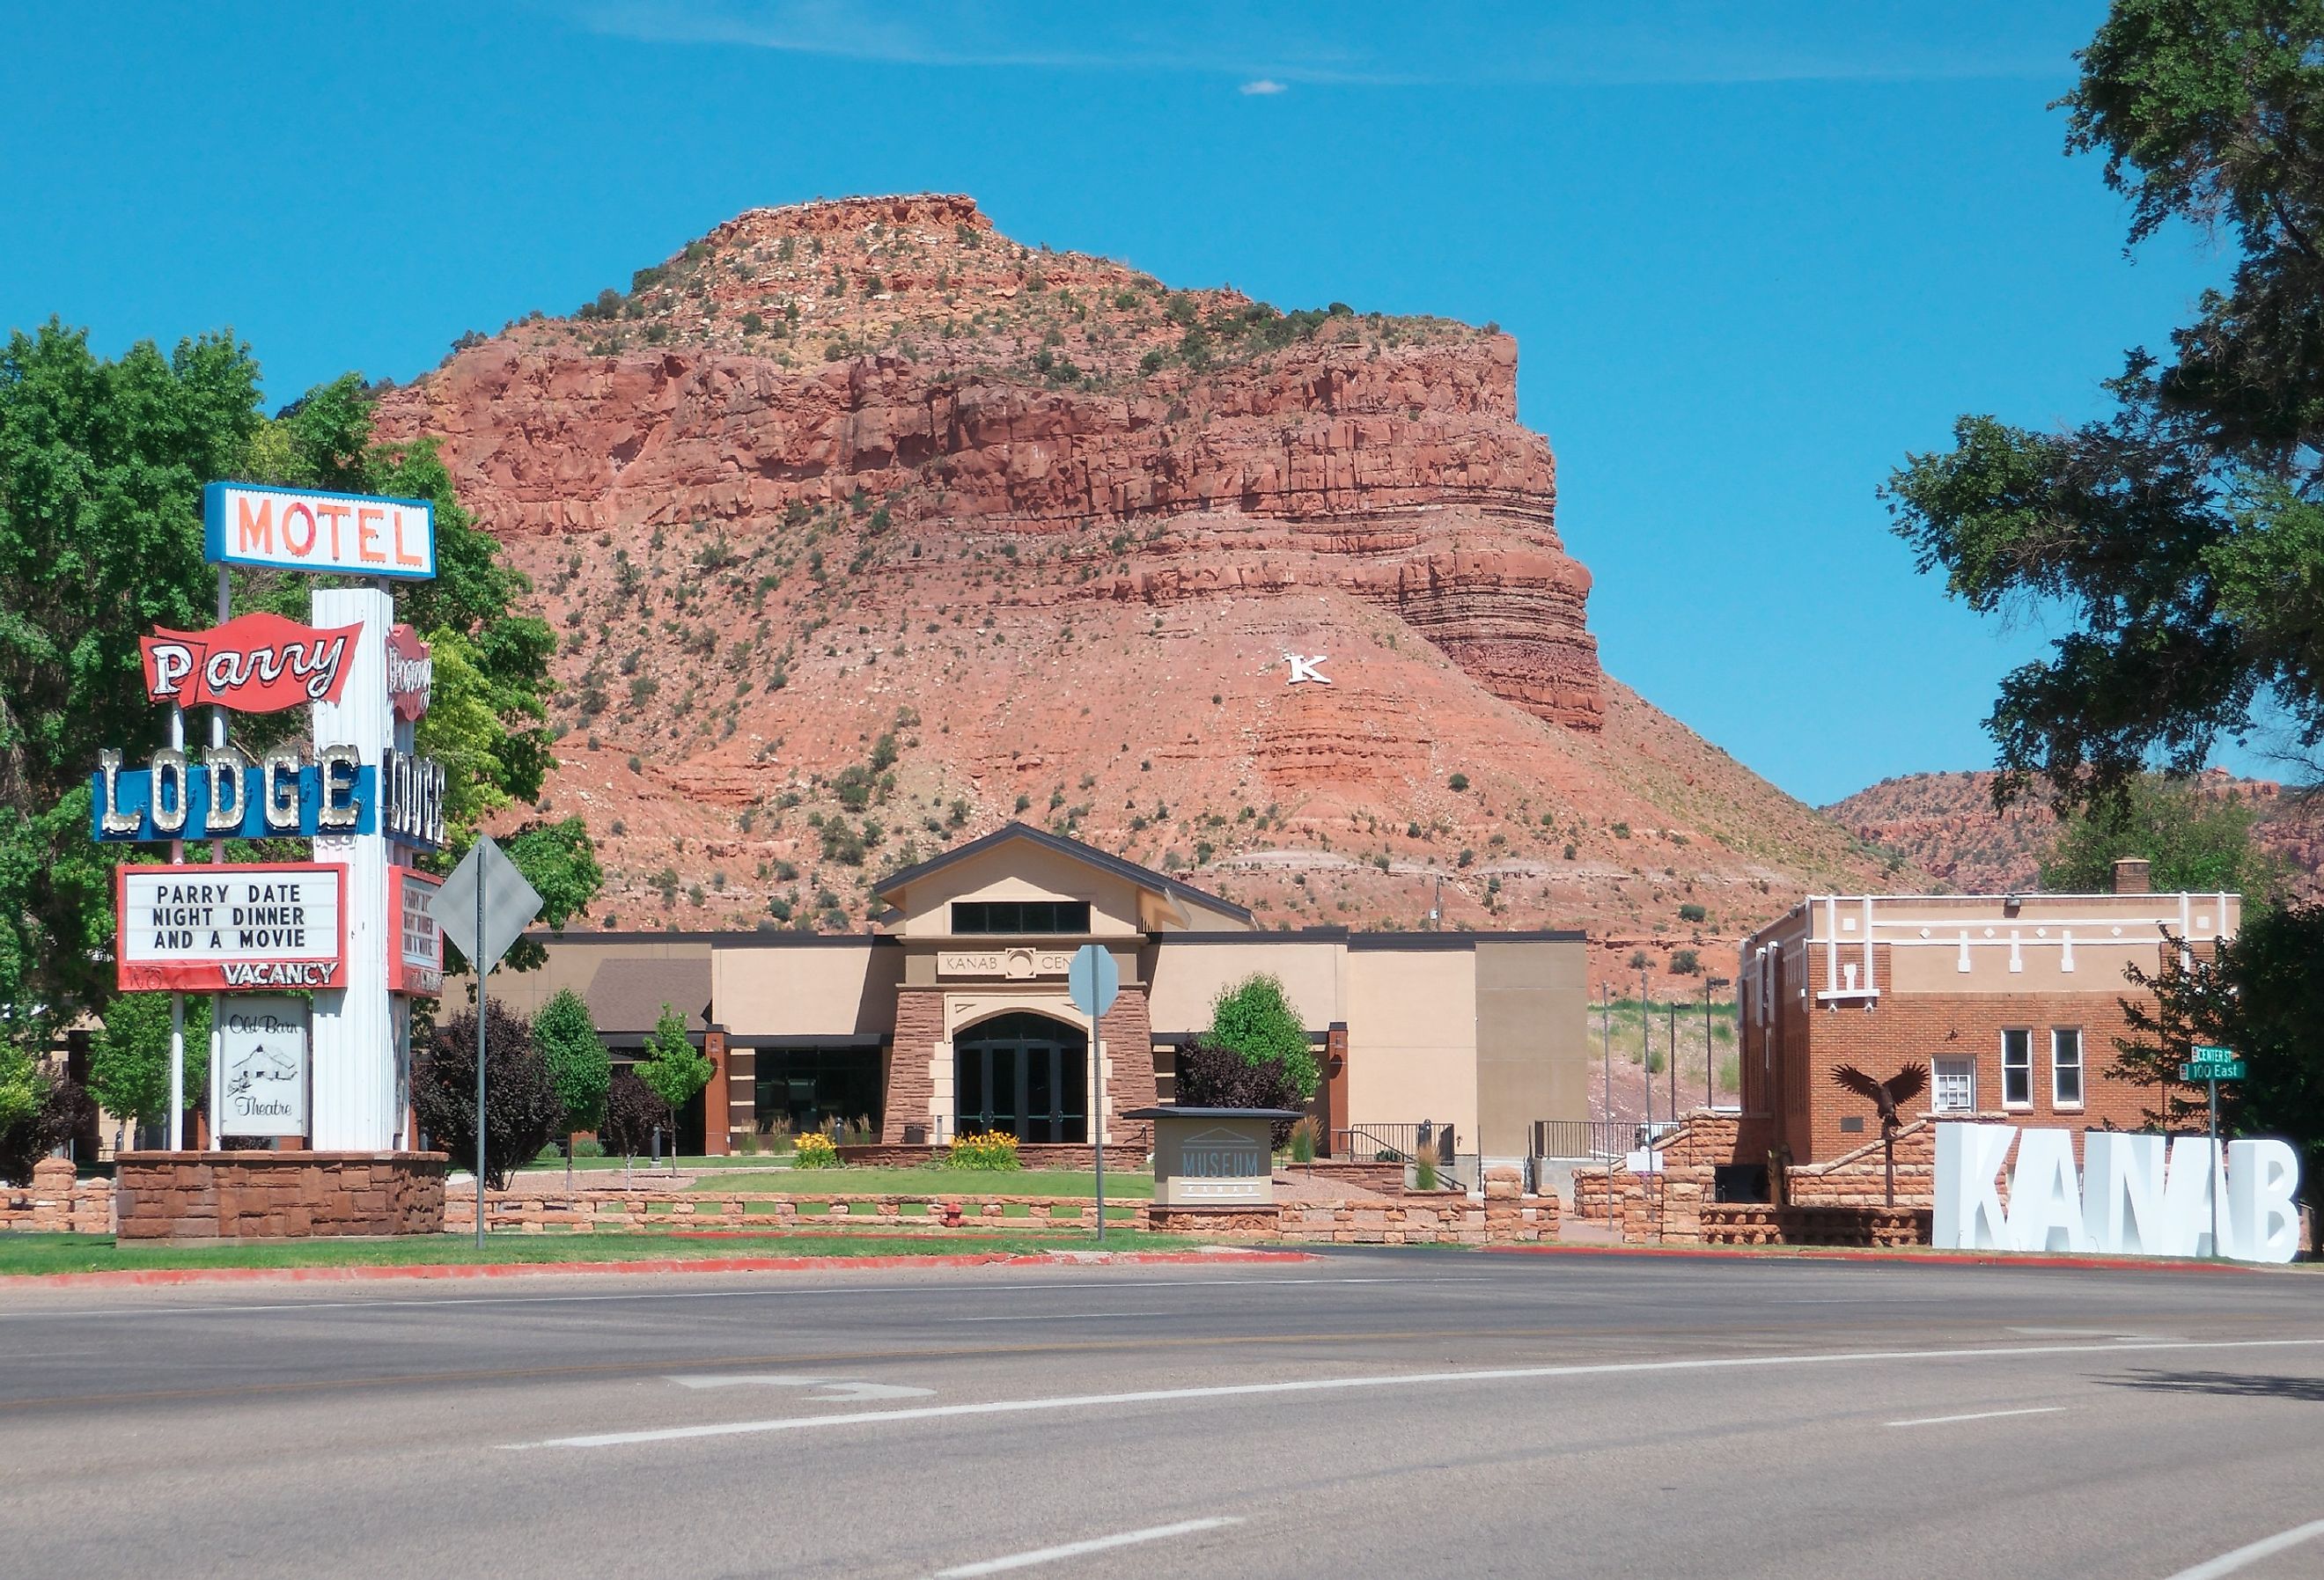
[2045,1410]
[2243,1556]
[1060,1316]
[1075,1549]
[999,1406]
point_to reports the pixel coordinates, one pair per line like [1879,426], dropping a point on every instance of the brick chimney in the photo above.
[2130,875]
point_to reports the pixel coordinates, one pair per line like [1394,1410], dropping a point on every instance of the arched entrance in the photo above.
[1024,1074]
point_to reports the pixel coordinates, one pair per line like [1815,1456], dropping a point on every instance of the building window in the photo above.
[2017,1070]
[1020,915]
[1955,1087]
[2066,1067]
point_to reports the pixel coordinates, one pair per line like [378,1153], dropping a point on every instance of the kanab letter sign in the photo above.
[2136,1196]
[200,928]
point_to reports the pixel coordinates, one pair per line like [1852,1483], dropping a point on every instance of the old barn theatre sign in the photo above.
[203,927]
[263,1043]
[292,529]
[224,795]
[2136,1194]
[253,663]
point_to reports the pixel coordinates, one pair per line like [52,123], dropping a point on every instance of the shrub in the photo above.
[1303,1140]
[1424,1173]
[588,1147]
[995,1152]
[1212,1074]
[1691,912]
[1255,1018]
[1684,963]
[814,1149]
[632,1112]
[1459,782]
[522,1109]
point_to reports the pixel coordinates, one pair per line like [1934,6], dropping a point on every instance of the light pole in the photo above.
[1646,1053]
[1711,984]
[1605,1043]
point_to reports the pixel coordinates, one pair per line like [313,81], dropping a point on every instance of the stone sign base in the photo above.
[277,1195]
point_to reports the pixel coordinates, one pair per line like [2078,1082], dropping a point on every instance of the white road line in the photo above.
[1061,1316]
[2046,1409]
[2243,1556]
[1000,1407]
[1075,1549]
[394,1305]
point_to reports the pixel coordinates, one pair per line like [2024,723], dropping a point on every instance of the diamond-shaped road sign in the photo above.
[1093,979]
[509,904]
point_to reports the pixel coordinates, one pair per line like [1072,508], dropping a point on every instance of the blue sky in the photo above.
[1753,254]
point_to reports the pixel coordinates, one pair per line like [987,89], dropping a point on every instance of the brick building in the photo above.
[2013,1003]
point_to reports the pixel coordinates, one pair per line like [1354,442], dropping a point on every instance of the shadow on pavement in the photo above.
[2225,1384]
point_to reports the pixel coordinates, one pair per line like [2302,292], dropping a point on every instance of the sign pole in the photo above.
[483,969]
[2219,1172]
[218,858]
[177,1000]
[1097,1064]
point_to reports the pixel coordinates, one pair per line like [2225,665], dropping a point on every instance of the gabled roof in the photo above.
[1145,877]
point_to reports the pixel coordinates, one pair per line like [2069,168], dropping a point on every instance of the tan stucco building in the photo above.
[952,1014]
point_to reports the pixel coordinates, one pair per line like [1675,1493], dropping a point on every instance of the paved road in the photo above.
[1371,1414]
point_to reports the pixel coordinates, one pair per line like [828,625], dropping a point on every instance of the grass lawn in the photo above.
[1058,1182]
[76,1253]
[592,1165]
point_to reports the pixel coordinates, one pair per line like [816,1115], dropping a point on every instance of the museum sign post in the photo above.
[321,957]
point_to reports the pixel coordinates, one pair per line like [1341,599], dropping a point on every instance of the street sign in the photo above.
[1093,980]
[510,903]
[2230,1068]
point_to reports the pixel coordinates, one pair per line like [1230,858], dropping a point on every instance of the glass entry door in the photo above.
[1024,1074]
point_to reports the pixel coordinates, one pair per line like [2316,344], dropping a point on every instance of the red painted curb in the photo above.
[142,1277]
[1891,1258]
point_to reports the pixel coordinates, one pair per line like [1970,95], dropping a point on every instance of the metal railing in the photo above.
[1401,1144]
[1595,1138]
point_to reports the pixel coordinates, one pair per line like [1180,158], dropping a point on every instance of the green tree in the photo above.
[129,1056]
[2262,996]
[2182,535]
[1255,1018]
[578,1065]
[102,465]
[673,1068]
[2192,841]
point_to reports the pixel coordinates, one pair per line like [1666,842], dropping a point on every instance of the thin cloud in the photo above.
[1271,46]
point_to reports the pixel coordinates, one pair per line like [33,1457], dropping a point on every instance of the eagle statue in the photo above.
[1888,1096]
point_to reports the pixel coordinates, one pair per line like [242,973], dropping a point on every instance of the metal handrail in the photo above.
[1401,1144]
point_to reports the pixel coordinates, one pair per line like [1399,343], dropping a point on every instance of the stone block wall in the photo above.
[274,1195]
[57,1203]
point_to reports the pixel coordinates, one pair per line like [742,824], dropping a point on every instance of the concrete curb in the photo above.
[1901,1258]
[165,1275]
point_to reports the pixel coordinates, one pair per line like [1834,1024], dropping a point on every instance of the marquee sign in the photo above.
[2124,1201]
[202,928]
[415,965]
[297,529]
[225,796]
[263,1064]
[253,663]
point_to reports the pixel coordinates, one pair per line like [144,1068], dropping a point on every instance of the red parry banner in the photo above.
[410,672]
[253,663]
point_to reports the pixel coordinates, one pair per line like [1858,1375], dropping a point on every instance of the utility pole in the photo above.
[1647,1052]
[1710,985]
[1605,1043]
[1673,1057]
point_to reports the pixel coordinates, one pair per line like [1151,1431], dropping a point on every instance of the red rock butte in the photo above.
[865,530]
[902,348]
